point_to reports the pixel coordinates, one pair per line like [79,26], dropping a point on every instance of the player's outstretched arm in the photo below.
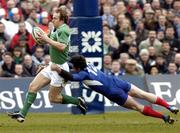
[66,75]
[80,76]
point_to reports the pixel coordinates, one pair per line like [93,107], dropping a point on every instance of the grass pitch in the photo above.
[113,122]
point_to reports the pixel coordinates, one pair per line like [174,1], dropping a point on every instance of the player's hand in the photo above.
[42,37]
[56,68]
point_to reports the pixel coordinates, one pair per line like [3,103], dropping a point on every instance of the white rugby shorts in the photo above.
[56,80]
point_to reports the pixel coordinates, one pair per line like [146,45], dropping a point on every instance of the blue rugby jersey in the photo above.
[108,85]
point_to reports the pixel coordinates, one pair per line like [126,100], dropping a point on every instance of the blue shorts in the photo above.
[119,91]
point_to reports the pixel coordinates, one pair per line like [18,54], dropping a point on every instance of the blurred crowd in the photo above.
[139,36]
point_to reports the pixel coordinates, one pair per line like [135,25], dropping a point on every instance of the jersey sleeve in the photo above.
[79,76]
[62,37]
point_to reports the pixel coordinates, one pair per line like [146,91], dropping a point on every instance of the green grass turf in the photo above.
[113,122]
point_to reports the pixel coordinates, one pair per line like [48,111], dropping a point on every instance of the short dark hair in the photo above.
[78,61]
[8,53]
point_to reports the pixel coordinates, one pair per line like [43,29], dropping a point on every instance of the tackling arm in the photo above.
[66,75]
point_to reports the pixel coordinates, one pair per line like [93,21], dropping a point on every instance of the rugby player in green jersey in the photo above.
[58,41]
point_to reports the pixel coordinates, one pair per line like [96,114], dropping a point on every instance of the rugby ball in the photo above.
[35,35]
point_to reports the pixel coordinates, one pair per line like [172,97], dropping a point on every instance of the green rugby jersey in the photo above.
[62,35]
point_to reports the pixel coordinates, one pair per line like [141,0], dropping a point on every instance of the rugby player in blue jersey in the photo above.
[115,89]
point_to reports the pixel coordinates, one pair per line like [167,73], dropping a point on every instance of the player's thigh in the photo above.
[133,104]
[137,92]
[56,79]
[38,82]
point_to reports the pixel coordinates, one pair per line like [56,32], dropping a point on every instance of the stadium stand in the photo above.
[148,31]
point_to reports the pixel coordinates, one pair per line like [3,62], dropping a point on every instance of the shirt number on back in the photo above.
[92,69]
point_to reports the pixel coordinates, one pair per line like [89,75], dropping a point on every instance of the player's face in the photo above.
[56,20]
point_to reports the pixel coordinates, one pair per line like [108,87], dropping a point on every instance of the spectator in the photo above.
[17,55]
[154,71]
[9,6]
[22,39]
[160,35]
[132,6]
[107,44]
[128,41]
[110,33]
[44,20]
[133,52]
[138,16]
[46,60]
[132,69]
[8,31]
[117,27]
[18,71]
[44,46]
[47,5]
[170,37]
[145,61]
[37,6]
[147,6]
[4,38]
[177,25]
[121,8]
[16,19]
[38,56]
[156,4]
[141,32]
[167,53]
[170,16]
[116,69]
[177,61]
[123,59]
[125,27]
[168,4]
[162,23]
[161,64]
[176,7]
[149,21]
[152,53]
[133,36]
[107,16]
[32,19]
[29,68]
[158,12]
[5,22]
[107,61]
[2,50]
[151,41]
[8,66]
[172,69]
[53,10]
[26,8]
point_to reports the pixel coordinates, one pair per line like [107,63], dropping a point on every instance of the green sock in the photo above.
[69,100]
[30,98]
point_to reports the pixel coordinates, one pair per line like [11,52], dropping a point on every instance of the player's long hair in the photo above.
[78,61]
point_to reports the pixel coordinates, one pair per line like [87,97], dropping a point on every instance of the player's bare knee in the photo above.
[32,87]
